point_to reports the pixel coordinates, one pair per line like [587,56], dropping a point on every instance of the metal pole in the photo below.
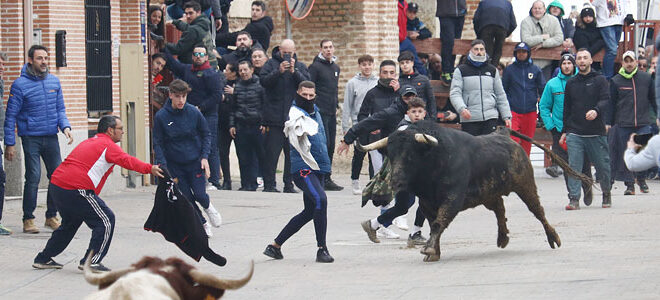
[288,25]
[636,29]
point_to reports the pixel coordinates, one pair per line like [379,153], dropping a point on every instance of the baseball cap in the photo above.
[630,54]
[413,7]
[408,89]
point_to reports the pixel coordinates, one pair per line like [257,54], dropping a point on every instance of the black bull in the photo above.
[451,171]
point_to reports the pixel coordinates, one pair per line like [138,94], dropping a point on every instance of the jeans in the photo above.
[250,151]
[274,143]
[407,45]
[330,126]
[586,164]
[595,148]
[450,28]
[611,35]
[224,143]
[494,37]
[3,177]
[316,208]
[48,149]
[214,156]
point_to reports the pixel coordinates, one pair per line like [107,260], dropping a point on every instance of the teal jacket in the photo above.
[552,102]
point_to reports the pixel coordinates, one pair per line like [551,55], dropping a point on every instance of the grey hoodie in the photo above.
[354,92]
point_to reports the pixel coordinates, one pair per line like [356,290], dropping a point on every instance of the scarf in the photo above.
[625,75]
[477,61]
[306,105]
[37,73]
[203,67]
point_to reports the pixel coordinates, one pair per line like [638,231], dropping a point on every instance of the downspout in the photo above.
[28,28]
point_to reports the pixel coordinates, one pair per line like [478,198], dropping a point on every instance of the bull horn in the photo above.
[382,143]
[101,278]
[426,139]
[223,284]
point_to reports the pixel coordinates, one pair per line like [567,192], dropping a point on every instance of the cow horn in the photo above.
[426,139]
[102,278]
[223,284]
[382,143]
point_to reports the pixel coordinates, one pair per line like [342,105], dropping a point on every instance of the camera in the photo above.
[286,57]
[642,139]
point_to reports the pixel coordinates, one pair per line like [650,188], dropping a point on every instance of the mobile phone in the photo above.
[642,139]
[286,57]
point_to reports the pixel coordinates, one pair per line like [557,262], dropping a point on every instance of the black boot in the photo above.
[607,200]
[630,188]
[323,256]
[588,196]
[642,186]
[331,185]
[226,185]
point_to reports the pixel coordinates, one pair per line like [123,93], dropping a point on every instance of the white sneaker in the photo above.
[387,233]
[207,228]
[401,222]
[210,187]
[260,182]
[214,216]
[357,190]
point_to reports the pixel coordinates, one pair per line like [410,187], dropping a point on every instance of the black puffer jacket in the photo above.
[424,90]
[325,74]
[247,101]
[588,36]
[280,88]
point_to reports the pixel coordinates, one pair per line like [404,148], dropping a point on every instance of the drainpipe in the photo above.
[28,28]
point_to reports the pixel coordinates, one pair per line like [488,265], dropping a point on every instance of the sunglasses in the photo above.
[199,54]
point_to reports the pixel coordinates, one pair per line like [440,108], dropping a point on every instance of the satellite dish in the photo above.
[299,9]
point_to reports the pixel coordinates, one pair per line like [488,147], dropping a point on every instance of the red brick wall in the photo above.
[11,40]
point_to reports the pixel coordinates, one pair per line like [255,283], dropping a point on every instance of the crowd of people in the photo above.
[226,87]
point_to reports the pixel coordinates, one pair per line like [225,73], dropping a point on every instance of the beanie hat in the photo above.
[587,11]
[567,56]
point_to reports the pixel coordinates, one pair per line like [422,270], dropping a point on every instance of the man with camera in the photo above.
[649,157]
[280,77]
[632,96]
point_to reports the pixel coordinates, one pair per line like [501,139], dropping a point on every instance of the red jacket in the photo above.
[403,20]
[90,163]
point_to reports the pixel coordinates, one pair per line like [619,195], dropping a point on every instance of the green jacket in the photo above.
[193,34]
[552,102]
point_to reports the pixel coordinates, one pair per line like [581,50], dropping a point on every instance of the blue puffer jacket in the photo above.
[551,106]
[319,149]
[523,83]
[36,106]
[181,136]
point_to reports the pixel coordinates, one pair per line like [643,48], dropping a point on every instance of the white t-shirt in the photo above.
[612,14]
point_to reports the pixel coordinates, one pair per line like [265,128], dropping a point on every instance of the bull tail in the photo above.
[561,162]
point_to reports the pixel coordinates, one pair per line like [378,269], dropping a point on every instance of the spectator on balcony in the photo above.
[452,16]
[435,66]
[422,85]
[405,43]
[494,20]
[610,16]
[158,92]
[195,31]
[243,51]
[556,9]
[417,30]
[587,34]
[176,9]
[260,28]
[259,59]
[541,30]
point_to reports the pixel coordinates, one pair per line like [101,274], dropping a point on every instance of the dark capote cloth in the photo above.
[175,218]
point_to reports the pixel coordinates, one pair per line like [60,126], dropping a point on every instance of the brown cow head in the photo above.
[185,279]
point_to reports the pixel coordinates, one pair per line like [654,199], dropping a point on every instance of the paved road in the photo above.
[605,253]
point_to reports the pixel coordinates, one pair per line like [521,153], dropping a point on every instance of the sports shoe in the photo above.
[446,79]
[50,264]
[52,223]
[355,184]
[630,189]
[271,190]
[96,268]
[210,186]
[207,229]
[260,182]
[331,185]
[553,171]
[29,227]
[401,222]
[323,256]
[643,187]
[273,252]
[371,233]
[416,239]
[289,190]
[387,233]
[573,205]
[4,230]
[214,216]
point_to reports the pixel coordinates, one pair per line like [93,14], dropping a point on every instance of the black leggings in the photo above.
[316,207]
